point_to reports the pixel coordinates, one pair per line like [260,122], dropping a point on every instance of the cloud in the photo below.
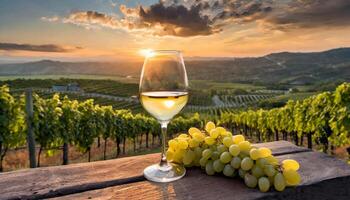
[177,20]
[191,18]
[91,19]
[50,19]
[41,48]
[186,18]
[311,14]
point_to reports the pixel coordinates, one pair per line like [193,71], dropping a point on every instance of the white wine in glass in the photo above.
[163,94]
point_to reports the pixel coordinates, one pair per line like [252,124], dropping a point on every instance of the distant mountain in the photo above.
[284,67]
[61,68]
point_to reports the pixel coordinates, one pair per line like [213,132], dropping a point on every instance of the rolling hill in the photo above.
[284,67]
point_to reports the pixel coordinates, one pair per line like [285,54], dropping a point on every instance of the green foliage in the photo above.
[325,116]
[12,120]
[46,122]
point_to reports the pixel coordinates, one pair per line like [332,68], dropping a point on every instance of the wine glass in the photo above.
[163,94]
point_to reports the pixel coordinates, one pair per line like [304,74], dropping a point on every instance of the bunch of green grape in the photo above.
[216,150]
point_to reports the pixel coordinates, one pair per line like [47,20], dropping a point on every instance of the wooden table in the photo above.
[323,177]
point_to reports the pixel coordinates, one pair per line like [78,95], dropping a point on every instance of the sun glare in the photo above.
[169,103]
[146,52]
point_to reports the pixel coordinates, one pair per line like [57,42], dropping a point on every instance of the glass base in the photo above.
[166,173]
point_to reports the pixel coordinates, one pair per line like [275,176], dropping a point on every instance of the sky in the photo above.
[108,30]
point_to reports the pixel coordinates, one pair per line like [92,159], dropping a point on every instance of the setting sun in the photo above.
[256,91]
[146,52]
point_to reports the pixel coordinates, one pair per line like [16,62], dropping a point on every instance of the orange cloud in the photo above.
[32,47]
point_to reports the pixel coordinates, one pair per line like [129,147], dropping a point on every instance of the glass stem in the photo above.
[164,127]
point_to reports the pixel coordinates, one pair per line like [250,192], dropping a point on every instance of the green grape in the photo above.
[189,165]
[179,153]
[193,130]
[257,171]
[225,157]
[218,166]
[183,136]
[229,134]
[188,157]
[250,180]
[207,153]
[290,164]
[234,150]
[243,155]
[198,136]
[182,144]
[279,182]
[221,148]
[269,170]
[254,154]
[205,146]
[237,139]
[222,130]
[264,184]
[196,162]
[227,141]
[209,140]
[241,173]
[228,170]
[209,169]
[203,161]
[214,133]
[247,163]
[193,143]
[215,155]
[272,160]
[198,151]
[173,144]
[261,162]
[265,152]
[170,154]
[209,126]
[213,148]
[236,162]
[292,177]
[244,146]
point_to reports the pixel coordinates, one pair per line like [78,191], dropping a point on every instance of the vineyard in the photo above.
[323,119]
[243,100]
[59,123]
[212,100]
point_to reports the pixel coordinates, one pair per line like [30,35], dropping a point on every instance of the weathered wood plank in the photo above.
[323,177]
[32,183]
[63,180]
[282,147]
